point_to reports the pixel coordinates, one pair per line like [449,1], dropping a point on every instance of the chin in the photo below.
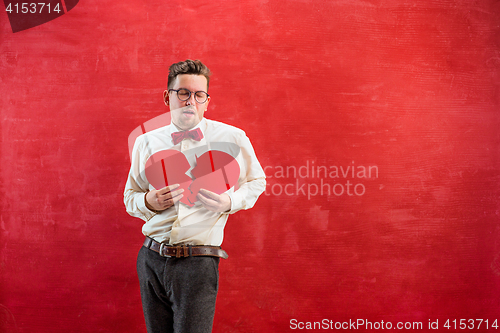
[188,126]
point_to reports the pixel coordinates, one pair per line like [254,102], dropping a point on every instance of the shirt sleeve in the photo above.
[137,185]
[252,180]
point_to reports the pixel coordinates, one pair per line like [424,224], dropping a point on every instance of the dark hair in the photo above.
[189,66]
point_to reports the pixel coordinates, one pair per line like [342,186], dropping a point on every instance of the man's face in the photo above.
[186,119]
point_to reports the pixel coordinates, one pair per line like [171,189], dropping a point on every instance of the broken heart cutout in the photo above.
[215,171]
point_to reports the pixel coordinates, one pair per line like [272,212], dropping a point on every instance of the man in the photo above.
[178,263]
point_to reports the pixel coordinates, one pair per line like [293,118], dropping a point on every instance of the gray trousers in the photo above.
[178,294]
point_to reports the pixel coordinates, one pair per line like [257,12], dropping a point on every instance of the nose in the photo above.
[191,100]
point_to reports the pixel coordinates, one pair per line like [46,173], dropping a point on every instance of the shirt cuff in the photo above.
[148,213]
[236,202]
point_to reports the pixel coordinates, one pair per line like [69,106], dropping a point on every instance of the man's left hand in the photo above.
[213,201]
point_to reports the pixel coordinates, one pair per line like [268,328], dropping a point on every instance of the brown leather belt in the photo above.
[184,251]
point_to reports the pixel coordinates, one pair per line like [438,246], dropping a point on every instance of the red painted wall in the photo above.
[409,88]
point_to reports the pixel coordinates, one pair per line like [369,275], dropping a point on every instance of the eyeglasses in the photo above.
[185,94]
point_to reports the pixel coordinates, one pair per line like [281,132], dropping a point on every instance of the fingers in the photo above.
[173,194]
[209,194]
[170,198]
[177,194]
[214,202]
[206,201]
[168,189]
[166,197]
[170,195]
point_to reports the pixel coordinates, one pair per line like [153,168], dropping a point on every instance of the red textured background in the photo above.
[411,87]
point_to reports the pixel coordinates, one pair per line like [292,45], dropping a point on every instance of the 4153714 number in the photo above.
[470,324]
[32,8]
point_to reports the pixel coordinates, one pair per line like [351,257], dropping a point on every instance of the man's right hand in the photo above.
[158,200]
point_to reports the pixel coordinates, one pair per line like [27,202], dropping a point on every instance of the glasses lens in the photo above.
[183,94]
[201,97]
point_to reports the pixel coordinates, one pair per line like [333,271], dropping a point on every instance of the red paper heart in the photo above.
[168,167]
[215,171]
[28,14]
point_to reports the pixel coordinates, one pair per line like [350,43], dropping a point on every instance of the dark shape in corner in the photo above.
[26,15]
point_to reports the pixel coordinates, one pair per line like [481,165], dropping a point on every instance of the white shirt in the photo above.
[181,224]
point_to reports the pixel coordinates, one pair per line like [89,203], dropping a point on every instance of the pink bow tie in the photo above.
[195,134]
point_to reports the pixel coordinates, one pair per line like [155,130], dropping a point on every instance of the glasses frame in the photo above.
[190,93]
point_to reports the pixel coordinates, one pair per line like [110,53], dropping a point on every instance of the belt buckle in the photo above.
[162,246]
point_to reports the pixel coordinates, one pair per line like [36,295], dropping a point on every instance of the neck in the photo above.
[181,129]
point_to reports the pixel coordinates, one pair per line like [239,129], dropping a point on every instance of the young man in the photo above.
[184,222]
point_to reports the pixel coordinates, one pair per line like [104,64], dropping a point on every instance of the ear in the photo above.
[166,98]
